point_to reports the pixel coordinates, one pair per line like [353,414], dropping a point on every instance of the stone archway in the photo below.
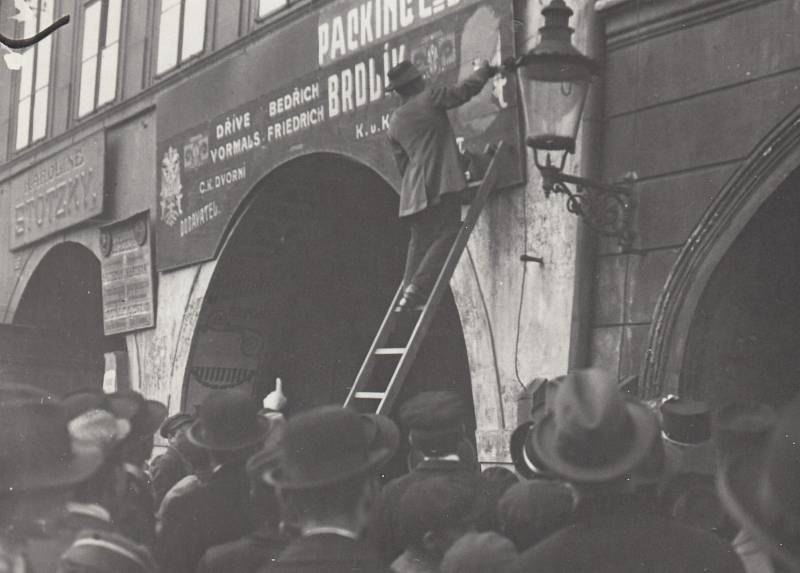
[768,166]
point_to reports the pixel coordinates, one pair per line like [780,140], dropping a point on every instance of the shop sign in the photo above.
[335,102]
[58,193]
[127,275]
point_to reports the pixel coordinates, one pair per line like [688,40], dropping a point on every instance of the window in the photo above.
[34,77]
[99,54]
[181,32]
[268,7]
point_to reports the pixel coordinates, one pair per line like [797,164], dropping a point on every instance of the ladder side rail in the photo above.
[384,332]
[442,282]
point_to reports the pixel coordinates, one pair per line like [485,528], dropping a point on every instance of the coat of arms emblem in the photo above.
[171,196]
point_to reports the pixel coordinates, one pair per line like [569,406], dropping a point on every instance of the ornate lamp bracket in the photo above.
[608,209]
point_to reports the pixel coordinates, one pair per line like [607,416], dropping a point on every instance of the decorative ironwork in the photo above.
[21,43]
[608,209]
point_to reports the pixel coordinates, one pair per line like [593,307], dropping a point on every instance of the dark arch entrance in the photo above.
[301,286]
[58,325]
[744,340]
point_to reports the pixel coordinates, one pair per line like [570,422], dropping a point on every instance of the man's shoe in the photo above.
[410,301]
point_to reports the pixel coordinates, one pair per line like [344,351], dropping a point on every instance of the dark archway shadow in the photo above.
[58,325]
[301,286]
[745,336]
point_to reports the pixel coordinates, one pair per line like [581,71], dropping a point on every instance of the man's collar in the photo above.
[93,510]
[448,457]
[328,530]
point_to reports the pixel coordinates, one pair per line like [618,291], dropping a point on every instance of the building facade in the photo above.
[199,196]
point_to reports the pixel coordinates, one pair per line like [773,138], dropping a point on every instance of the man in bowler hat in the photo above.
[595,438]
[426,154]
[229,428]
[326,479]
[436,426]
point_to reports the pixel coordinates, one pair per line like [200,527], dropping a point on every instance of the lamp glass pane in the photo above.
[553,110]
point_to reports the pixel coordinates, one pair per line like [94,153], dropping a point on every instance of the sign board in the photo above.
[318,85]
[59,192]
[127,275]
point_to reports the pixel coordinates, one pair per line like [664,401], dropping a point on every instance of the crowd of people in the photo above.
[601,482]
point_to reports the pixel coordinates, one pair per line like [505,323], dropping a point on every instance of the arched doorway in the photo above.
[301,286]
[58,339]
[743,342]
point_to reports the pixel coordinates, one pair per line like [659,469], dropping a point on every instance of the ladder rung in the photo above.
[370,395]
[390,351]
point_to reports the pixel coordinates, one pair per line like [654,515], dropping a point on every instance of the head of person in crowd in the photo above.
[531,510]
[106,552]
[592,436]
[405,79]
[479,552]
[759,490]
[525,460]
[39,468]
[326,473]
[229,427]
[175,425]
[145,417]
[494,482]
[436,423]
[434,513]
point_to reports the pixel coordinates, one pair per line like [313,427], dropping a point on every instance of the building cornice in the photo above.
[632,21]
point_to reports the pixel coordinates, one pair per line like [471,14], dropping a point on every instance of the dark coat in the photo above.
[216,512]
[167,470]
[617,534]
[383,531]
[246,555]
[328,553]
[424,144]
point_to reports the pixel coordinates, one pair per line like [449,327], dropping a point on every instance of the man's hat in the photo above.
[429,414]
[526,461]
[403,73]
[173,423]
[592,433]
[686,425]
[145,416]
[227,421]
[759,490]
[36,450]
[327,445]
[105,551]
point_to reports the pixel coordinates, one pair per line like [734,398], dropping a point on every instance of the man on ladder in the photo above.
[426,153]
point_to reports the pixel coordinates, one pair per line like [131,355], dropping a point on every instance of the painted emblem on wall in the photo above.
[171,195]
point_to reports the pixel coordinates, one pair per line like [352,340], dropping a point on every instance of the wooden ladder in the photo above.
[369,398]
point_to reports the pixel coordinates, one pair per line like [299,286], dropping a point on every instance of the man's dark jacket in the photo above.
[167,470]
[216,512]
[618,534]
[383,531]
[246,555]
[328,553]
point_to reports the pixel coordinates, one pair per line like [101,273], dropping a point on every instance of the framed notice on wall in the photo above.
[127,275]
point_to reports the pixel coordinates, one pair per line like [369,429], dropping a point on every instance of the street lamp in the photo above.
[554,79]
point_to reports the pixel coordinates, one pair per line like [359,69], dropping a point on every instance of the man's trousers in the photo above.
[432,232]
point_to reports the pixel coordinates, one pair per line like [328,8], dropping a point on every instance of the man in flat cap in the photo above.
[426,153]
[326,479]
[170,467]
[436,425]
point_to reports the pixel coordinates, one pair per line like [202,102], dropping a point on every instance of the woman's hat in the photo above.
[145,416]
[591,433]
[327,445]
[759,490]
[403,73]
[228,420]
[36,449]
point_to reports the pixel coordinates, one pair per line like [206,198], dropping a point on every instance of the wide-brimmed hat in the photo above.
[36,450]
[228,420]
[324,446]
[759,490]
[592,433]
[403,73]
[145,416]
